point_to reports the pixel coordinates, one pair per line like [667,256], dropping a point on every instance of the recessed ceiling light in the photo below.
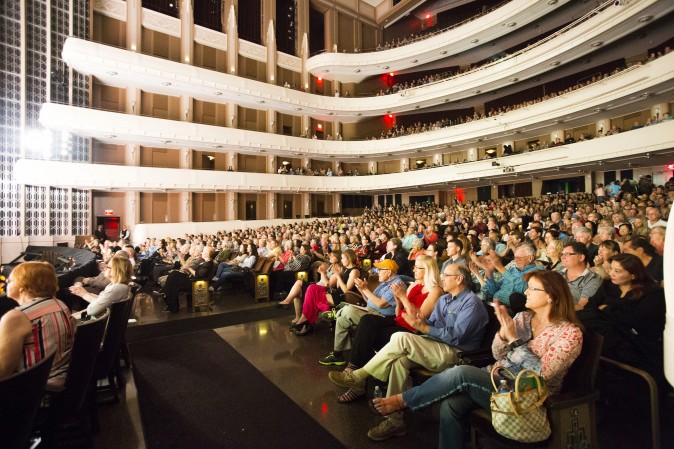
[217,93]
[358,114]
[552,2]
[443,52]
[475,41]
[512,24]
[260,101]
[110,136]
[596,44]
[414,61]
[331,113]
[645,19]
[385,67]
[555,63]
[477,91]
[111,73]
[165,83]
[217,146]
[357,70]
[512,80]
[166,142]
[298,109]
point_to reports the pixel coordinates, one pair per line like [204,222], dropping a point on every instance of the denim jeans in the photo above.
[460,389]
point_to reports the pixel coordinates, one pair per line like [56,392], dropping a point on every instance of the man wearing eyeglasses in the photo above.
[457,323]
[583,283]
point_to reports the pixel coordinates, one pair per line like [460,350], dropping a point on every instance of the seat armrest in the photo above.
[571,399]
[478,357]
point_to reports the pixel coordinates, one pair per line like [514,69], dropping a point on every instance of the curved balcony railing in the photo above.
[607,94]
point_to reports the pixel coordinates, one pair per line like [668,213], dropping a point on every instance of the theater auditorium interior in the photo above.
[230,149]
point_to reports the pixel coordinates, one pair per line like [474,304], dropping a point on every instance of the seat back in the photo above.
[582,374]
[88,337]
[267,267]
[259,263]
[114,334]
[20,397]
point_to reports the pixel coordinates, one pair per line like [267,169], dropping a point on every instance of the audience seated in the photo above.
[119,273]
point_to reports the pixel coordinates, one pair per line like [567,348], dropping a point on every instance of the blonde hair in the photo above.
[431,272]
[121,270]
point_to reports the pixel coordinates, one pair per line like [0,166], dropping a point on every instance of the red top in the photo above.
[416,297]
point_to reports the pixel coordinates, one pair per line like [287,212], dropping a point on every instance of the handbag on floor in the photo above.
[520,414]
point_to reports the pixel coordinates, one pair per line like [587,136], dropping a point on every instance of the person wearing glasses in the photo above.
[583,283]
[457,323]
[546,338]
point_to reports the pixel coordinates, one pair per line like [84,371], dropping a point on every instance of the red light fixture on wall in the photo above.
[670,167]
[319,126]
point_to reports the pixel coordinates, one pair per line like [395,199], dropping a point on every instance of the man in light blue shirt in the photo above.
[381,302]
[457,323]
[512,280]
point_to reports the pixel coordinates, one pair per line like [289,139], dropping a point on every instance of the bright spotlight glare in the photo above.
[38,141]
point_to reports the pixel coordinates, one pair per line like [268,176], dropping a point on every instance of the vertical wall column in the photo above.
[302,24]
[330,30]
[186,103]
[403,165]
[304,56]
[272,55]
[336,203]
[271,205]
[659,110]
[232,56]
[306,204]
[232,206]
[271,165]
[471,154]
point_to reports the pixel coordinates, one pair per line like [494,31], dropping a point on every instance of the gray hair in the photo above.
[528,250]
[607,230]
[583,230]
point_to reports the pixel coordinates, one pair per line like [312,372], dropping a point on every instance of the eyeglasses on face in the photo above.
[443,275]
[417,267]
[535,289]
[569,254]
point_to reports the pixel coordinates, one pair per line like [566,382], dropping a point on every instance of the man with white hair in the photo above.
[655,218]
[584,236]
[512,280]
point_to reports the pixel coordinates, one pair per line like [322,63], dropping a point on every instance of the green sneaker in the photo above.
[330,315]
[332,359]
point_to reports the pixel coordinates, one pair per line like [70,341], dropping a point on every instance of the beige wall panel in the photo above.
[174,205]
[161,45]
[108,98]
[388,167]
[345,37]
[107,154]
[368,37]
[103,201]
[159,157]
[109,31]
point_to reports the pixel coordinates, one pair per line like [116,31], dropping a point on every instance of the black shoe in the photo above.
[282,306]
[167,310]
[305,328]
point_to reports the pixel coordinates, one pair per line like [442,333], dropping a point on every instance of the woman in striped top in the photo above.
[39,326]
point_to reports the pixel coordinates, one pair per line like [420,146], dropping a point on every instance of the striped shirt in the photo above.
[53,330]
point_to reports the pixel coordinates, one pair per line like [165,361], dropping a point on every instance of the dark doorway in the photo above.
[320,209]
[287,209]
[484,193]
[425,199]
[110,225]
[251,210]
[316,31]
[568,185]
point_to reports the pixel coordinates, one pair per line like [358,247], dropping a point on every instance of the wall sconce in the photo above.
[262,287]
[271,77]
[302,275]
[133,107]
[133,47]
[232,69]
[367,264]
[187,59]
[187,114]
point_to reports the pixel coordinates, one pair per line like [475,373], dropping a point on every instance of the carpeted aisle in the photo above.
[196,391]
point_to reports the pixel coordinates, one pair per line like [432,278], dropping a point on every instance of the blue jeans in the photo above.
[224,267]
[460,389]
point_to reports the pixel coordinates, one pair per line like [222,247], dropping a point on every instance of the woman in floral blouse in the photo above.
[546,338]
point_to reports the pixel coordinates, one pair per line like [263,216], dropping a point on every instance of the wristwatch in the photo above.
[515,343]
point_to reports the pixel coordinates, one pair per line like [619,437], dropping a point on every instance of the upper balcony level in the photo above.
[123,68]
[632,89]
[355,67]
